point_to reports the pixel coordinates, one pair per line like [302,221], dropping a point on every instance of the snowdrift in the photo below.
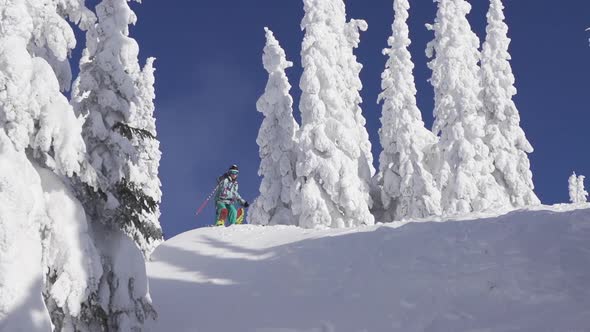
[523,271]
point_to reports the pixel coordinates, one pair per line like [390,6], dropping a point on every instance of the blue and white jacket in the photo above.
[227,191]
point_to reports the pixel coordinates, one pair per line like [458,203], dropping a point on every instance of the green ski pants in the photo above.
[231,209]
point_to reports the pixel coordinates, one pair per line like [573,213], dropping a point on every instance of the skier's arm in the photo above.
[238,197]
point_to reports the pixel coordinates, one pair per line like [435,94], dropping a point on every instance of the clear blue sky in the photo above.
[209,76]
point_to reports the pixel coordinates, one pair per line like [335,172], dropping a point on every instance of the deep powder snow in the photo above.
[523,271]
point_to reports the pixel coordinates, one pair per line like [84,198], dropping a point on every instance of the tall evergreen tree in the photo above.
[408,189]
[44,252]
[504,136]
[577,191]
[330,188]
[116,97]
[276,140]
[351,86]
[465,170]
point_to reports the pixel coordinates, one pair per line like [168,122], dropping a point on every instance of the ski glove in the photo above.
[246,204]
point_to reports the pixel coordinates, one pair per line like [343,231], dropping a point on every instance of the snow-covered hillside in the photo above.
[523,271]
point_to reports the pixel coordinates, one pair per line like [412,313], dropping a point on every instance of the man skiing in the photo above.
[225,197]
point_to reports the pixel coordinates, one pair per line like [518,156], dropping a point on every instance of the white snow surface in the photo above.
[526,270]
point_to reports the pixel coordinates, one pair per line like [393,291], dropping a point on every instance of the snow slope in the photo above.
[523,271]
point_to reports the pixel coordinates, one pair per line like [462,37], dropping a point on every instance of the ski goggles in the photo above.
[234,171]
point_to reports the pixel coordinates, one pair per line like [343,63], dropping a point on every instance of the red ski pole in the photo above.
[207,200]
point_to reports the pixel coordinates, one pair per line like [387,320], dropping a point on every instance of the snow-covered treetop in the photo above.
[109,49]
[455,65]
[498,80]
[110,72]
[398,85]
[274,58]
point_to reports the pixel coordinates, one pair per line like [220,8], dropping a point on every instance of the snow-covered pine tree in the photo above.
[504,137]
[47,252]
[351,86]
[573,187]
[465,170]
[276,141]
[116,97]
[408,189]
[577,191]
[330,189]
[582,193]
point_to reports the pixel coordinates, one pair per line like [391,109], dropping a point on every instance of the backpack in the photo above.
[221,177]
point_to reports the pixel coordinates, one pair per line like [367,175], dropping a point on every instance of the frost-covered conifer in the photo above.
[465,171]
[582,193]
[331,189]
[47,251]
[116,97]
[573,187]
[276,141]
[408,189]
[578,193]
[351,86]
[504,136]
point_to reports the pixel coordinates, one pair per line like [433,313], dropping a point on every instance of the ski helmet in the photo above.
[234,169]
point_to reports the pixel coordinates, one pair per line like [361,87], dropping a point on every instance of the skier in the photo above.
[226,196]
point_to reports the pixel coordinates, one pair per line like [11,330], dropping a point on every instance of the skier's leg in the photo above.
[221,214]
[232,213]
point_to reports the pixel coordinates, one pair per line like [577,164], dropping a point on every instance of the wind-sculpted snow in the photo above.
[523,271]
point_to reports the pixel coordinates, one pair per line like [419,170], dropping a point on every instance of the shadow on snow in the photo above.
[522,271]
